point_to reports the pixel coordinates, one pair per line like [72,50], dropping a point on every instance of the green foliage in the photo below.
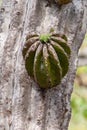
[82,69]
[79,105]
[85,113]
[79,100]
[79,109]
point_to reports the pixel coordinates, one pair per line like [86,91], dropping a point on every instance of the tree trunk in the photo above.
[23,105]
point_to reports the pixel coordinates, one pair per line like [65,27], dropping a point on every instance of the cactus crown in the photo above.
[44,37]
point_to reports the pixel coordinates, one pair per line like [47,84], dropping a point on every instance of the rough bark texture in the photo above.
[23,106]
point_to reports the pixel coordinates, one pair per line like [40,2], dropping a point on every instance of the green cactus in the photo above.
[44,37]
[46,58]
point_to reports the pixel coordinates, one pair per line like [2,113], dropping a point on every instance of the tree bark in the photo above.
[23,105]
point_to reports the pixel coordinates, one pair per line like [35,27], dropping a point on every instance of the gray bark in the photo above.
[23,105]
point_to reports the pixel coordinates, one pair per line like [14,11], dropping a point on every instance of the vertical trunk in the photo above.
[23,105]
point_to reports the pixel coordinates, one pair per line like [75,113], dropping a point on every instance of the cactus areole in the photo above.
[46,58]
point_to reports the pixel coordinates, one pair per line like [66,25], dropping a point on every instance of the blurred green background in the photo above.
[0,2]
[79,97]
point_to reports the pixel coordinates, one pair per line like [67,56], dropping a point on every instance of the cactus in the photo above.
[46,58]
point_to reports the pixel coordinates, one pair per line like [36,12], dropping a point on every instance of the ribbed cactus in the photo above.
[46,58]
